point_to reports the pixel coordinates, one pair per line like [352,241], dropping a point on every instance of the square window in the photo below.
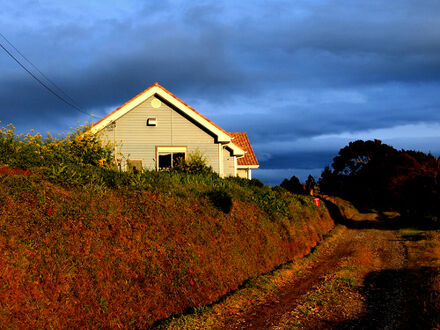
[168,157]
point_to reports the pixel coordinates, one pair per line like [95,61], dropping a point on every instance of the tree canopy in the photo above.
[374,175]
[293,185]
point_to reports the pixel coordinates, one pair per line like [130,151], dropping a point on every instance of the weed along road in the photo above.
[358,278]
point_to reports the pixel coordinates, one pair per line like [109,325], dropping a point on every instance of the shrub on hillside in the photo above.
[293,185]
[25,151]
[246,182]
[196,163]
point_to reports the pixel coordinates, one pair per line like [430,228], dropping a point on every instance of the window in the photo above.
[169,156]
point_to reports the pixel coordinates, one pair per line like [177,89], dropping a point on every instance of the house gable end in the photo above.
[171,99]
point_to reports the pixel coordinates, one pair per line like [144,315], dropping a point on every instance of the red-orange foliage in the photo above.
[74,259]
[13,171]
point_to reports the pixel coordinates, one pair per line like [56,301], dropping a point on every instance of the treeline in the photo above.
[374,175]
[295,186]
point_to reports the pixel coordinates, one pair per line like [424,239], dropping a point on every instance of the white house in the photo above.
[155,128]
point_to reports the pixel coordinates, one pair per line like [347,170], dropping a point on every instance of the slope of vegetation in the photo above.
[83,245]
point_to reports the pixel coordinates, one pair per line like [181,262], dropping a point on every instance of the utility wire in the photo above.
[45,85]
[39,71]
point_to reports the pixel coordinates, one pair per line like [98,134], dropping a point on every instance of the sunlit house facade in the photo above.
[155,129]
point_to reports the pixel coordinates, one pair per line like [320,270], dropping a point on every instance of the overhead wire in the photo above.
[39,71]
[71,103]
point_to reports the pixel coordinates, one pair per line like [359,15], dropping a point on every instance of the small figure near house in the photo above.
[156,129]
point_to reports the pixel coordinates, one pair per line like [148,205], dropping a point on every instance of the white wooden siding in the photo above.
[228,163]
[243,173]
[136,140]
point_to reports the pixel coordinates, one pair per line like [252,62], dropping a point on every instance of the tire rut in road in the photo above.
[270,312]
[382,293]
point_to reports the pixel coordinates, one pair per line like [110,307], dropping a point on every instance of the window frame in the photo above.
[172,150]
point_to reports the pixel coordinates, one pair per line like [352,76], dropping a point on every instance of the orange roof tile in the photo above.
[241,140]
[169,93]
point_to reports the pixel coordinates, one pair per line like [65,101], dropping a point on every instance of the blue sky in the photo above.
[303,78]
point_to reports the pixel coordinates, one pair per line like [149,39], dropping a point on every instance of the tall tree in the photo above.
[310,184]
[293,185]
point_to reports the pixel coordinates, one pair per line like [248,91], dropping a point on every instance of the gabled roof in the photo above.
[241,139]
[158,90]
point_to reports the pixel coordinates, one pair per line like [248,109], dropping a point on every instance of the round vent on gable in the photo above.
[155,103]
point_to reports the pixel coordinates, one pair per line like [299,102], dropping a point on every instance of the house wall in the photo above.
[137,141]
[228,163]
[243,173]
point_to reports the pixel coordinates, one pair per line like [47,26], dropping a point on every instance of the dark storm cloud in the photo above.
[208,50]
[347,41]
[379,109]
[114,72]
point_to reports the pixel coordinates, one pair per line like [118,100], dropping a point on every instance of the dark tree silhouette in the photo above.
[310,184]
[375,175]
[293,185]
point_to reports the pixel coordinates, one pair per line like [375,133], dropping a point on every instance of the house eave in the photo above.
[236,150]
[247,166]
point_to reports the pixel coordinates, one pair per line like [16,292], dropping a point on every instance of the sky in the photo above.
[302,78]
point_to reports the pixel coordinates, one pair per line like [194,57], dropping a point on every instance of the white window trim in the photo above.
[172,149]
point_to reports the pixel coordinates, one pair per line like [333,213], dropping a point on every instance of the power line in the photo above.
[43,84]
[39,71]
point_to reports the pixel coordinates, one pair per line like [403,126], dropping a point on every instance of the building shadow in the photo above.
[398,299]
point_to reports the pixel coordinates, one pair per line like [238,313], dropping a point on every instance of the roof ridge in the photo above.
[156,84]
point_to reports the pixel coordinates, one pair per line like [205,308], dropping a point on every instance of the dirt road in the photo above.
[369,274]
[368,252]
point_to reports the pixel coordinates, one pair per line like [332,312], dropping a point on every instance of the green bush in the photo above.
[79,147]
[196,163]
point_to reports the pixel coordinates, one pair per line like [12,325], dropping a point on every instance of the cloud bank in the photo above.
[300,77]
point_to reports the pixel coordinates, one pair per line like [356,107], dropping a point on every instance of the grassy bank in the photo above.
[255,292]
[93,255]
[84,245]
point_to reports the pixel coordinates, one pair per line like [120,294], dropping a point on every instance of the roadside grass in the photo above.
[422,277]
[254,292]
[95,254]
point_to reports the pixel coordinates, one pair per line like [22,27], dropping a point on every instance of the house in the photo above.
[155,129]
